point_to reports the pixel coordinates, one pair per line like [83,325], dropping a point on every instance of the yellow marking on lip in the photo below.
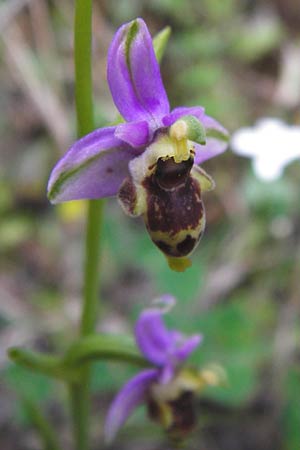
[179,264]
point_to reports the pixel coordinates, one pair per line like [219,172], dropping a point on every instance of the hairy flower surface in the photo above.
[167,389]
[152,159]
[271,144]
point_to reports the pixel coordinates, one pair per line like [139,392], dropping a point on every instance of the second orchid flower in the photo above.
[167,388]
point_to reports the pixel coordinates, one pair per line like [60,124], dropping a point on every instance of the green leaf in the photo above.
[160,41]
[38,362]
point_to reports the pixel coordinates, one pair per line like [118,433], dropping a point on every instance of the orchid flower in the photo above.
[167,389]
[152,159]
[272,145]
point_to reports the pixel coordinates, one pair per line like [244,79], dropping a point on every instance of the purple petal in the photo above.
[182,347]
[93,167]
[177,113]
[217,138]
[133,393]
[212,148]
[152,337]
[187,347]
[212,124]
[136,134]
[133,75]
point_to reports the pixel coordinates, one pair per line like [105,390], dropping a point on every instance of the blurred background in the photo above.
[235,57]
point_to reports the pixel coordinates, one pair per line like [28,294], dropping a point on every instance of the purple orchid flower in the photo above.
[167,350]
[152,142]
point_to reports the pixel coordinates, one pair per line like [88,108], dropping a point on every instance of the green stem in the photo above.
[40,422]
[80,393]
[83,66]
[92,267]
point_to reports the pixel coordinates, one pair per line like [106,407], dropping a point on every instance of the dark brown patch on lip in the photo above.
[173,210]
[183,414]
[169,174]
[163,247]
[168,249]
[127,195]
[186,246]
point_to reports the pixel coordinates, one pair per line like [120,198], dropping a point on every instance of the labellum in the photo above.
[174,405]
[165,188]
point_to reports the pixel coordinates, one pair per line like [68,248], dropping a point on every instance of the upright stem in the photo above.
[83,66]
[92,267]
[80,392]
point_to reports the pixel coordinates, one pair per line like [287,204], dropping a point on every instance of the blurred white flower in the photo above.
[272,145]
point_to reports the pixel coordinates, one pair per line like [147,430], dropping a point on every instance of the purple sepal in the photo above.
[133,393]
[162,347]
[152,337]
[133,75]
[94,167]
[136,134]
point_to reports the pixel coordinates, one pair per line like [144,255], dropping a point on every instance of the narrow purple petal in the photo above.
[136,134]
[133,393]
[217,138]
[212,148]
[182,347]
[133,75]
[212,124]
[152,337]
[177,113]
[93,167]
[189,344]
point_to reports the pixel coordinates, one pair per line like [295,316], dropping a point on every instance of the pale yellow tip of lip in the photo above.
[214,375]
[179,264]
